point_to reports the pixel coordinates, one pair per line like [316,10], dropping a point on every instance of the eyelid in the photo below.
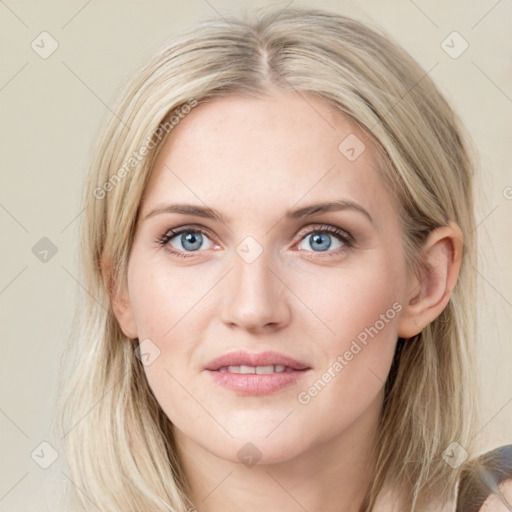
[194,228]
[328,228]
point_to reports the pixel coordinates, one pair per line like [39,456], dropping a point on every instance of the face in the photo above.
[323,287]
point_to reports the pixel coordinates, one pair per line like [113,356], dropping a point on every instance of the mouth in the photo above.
[255,374]
[248,360]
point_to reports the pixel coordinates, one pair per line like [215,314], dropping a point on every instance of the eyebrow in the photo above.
[209,213]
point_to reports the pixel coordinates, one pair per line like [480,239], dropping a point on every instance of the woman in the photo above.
[278,247]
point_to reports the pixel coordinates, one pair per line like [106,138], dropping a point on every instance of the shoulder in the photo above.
[486,482]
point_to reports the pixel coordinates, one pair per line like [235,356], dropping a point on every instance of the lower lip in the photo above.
[256,384]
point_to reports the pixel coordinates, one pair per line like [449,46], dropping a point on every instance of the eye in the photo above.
[179,241]
[321,240]
[186,240]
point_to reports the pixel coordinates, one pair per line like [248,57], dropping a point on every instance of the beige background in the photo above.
[51,109]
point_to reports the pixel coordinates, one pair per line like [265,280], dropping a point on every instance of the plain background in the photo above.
[52,108]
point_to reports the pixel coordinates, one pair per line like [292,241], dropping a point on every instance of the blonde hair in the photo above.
[117,439]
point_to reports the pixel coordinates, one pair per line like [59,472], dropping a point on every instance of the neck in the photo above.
[332,475]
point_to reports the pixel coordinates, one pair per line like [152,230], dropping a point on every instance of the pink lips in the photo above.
[255,384]
[256,359]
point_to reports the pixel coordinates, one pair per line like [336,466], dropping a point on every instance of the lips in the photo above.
[243,358]
[264,373]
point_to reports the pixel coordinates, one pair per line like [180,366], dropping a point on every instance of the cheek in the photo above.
[361,309]
[162,298]
[166,305]
[369,317]
[357,302]
[351,385]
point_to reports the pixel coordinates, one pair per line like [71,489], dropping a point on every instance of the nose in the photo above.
[255,297]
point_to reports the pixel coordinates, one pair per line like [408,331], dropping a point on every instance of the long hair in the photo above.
[116,438]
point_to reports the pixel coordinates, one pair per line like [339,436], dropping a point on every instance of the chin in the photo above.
[260,451]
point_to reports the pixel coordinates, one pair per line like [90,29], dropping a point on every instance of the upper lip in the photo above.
[243,358]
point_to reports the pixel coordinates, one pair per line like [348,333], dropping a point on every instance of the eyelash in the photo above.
[347,239]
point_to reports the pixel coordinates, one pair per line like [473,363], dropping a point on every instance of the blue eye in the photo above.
[319,240]
[189,239]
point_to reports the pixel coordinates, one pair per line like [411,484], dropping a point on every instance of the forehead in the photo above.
[270,153]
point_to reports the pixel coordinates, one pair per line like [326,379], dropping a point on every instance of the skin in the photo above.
[252,160]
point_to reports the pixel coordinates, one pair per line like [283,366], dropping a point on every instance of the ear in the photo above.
[429,293]
[119,298]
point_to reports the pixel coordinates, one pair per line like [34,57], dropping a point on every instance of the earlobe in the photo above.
[430,292]
[120,300]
